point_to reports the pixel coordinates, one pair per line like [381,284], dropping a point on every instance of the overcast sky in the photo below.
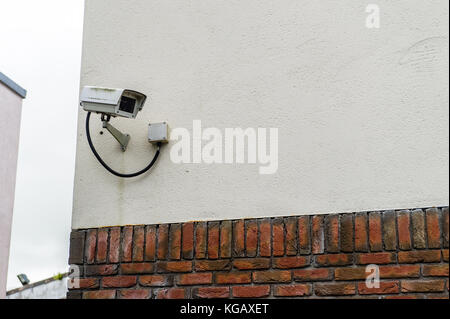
[40,49]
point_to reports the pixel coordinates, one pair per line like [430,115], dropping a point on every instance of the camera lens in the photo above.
[127,104]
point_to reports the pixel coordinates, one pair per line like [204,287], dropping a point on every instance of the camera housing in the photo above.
[113,102]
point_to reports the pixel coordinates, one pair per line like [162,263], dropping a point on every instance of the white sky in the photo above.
[40,49]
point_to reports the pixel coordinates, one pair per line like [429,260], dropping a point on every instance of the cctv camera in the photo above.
[119,102]
[112,102]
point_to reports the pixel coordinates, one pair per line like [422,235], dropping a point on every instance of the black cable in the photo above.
[109,169]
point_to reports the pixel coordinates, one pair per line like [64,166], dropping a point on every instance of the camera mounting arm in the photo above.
[122,138]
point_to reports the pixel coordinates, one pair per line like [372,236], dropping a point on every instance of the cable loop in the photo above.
[109,169]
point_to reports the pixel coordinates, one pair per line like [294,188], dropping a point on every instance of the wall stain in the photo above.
[426,55]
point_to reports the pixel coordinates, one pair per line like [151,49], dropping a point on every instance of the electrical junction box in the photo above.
[158,133]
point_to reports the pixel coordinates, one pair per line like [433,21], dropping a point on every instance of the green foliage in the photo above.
[59,276]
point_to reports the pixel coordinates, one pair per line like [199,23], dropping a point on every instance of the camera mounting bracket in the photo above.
[122,138]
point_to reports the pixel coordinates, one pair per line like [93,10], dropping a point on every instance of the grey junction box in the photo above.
[158,133]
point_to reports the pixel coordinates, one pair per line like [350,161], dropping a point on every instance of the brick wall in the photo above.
[306,257]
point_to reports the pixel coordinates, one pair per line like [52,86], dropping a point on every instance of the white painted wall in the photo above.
[362,113]
[11,109]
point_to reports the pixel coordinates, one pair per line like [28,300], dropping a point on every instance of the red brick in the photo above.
[91,243]
[346,234]
[163,241]
[375,258]
[114,245]
[134,294]
[290,225]
[138,243]
[233,278]
[136,268]
[332,233]
[272,276]
[433,228]
[292,290]
[385,272]
[195,279]
[312,274]
[359,297]
[435,270]
[101,270]
[99,294]
[172,293]
[288,228]
[375,232]
[212,292]
[77,251]
[413,257]
[423,286]
[88,283]
[102,245]
[239,238]
[334,260]
[389,231]
[200,240]
[361,232]
[350,273]
[384,289]
[333,289]
[155,281]
[210,265]
[290,262]
[127,244]
[251,291]
[418,229]
[118,281]
[403,271]
[225,239]
[174,266]
[403,226]
[304,242]
[188,241]
[278,237]
[403,297]
[445,254]
[251,263]
[251,242]
[445,227]
[317,235]
[438,297]
[175,241]
[74,294]
[213,240]
[150,243]
[265,234]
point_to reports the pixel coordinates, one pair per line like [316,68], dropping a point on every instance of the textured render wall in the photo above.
[307,257]
[11,108]
[362,113]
